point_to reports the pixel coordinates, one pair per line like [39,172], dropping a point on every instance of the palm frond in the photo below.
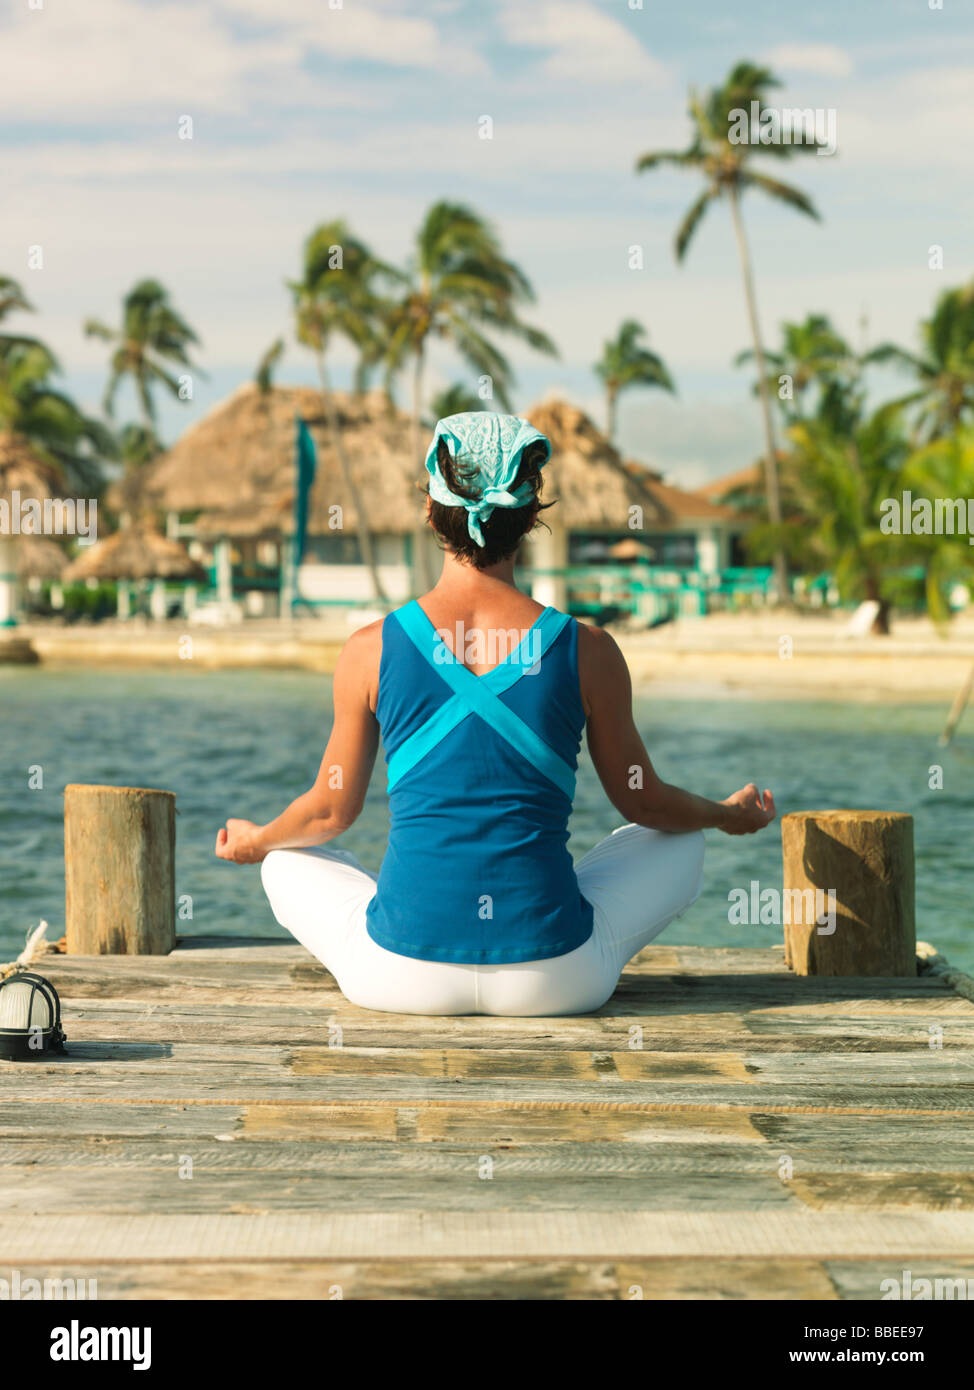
[782,192]
[691,221]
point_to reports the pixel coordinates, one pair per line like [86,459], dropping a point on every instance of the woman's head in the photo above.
[485,483]
[506,527]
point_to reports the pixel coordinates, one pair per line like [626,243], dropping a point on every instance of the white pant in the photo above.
[637,881]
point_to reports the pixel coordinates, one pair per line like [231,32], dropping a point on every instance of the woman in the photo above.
[480,695]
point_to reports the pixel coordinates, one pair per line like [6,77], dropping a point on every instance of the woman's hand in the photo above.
[748,812]
[239,843]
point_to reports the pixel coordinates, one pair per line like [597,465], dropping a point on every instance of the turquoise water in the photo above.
[244,743]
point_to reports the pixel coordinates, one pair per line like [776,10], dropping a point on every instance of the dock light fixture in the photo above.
[30,1018]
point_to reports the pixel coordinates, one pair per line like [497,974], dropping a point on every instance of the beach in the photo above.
[776,655]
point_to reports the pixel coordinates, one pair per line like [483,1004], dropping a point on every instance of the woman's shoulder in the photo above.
[601,664]
[597,641]
[364,640]
[357,668]
[362,649]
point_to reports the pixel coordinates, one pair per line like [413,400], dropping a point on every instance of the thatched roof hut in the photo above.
[23,470]
[587,473]
[135,552]
[235,469]
[36,557]
[236,465]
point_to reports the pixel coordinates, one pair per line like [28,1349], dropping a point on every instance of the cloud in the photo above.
[921,121]
[88,61]
[824,59]
[521,146]
[377,33]
[582,42]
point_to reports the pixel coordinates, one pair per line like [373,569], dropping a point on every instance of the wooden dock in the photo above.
[227,1126]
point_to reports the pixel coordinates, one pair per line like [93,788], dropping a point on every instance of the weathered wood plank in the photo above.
[866,1279]
[107,1120]
[779,1231]
[513,1064]
[940,1191]
[486,1185]
[224,1085]
[714,1280]
[498,1280]
[121,1020]
[501,1125]
[270,1060]
[820,1137]
[675,1152]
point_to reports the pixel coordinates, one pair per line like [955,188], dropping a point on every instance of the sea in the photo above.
[244,743]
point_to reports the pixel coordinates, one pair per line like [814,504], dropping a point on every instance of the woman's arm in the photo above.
[338,794]
[624,767]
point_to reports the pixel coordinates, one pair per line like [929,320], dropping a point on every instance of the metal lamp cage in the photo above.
[30,1017]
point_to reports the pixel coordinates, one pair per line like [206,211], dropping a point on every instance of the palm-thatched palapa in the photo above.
[235,470]
[135,553]
[23,470]
[236,465]
[231,481]
[37,557]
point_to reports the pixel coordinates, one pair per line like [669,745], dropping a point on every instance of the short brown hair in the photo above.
[506,527]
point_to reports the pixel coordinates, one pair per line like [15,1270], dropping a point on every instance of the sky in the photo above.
[373,109]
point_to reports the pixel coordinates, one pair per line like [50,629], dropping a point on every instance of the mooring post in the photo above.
[119,870]
[849,889]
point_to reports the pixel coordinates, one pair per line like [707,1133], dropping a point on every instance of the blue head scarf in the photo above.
[488,448]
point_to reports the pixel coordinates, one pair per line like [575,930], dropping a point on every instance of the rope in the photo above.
[37,945]
[931,962]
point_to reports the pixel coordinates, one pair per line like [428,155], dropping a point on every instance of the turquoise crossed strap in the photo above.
[479,695]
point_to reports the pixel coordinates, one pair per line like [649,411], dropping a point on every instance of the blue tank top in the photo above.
[481,782]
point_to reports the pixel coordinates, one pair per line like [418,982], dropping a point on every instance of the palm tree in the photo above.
[944,367]
[942,469]
[336,295]
[12,299]
[138,446]
[728,172]
[152,337]
[453,400]
[812,354]
[32,407]
[626,363]
[836,482]
[461,289]
[267,366]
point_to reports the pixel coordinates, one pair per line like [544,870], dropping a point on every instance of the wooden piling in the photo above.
[864,858]
[119,870]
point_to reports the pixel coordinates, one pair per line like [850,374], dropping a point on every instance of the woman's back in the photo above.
[476,693]
[481,719]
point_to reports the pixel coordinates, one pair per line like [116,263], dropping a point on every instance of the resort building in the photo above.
[28,558]
[618,541]
[741,494]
